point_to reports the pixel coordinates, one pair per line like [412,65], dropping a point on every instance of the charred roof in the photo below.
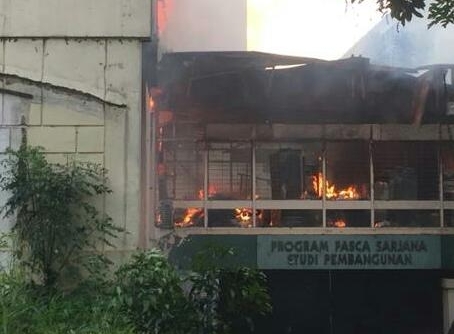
[260,87]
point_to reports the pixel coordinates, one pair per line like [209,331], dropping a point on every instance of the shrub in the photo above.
[228,297]
[57,226]
[243,298]
[150,294]
[25,308]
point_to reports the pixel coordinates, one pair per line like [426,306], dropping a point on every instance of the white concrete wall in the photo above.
[72,125]
[11,109]
[86,86]
[75,18]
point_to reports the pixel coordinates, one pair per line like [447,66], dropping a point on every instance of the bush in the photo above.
[230,298]
[25,308]
[57,226]
[243,298]
[150,294]
[58,229]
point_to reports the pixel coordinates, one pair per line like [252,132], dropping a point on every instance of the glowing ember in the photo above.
[195,216]
[149,100]
[319,184]
[339,223]
[211,192]
[244,216]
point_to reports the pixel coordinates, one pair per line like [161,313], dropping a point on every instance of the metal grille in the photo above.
[229,171]
[406,170]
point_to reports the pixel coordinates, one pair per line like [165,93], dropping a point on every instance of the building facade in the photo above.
[71,74]
[332,176]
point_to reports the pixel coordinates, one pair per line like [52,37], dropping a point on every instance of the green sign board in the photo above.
[348,252]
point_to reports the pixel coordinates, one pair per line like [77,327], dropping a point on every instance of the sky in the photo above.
[323,29]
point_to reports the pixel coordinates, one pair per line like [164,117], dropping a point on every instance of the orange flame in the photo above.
[339,223]
[189,217]
[211,192]
[244,216]
[190,214]
[164,9]
[320,185]
[149,100]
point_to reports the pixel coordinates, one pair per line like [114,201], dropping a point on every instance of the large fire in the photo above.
[244,216]
[320,185]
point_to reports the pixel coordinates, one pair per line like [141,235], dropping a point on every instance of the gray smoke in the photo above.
[411,45]
[204,25]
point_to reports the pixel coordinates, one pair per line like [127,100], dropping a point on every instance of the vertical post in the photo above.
[205,186]
[448,303]
[254,185]
[174,162]
[153,166]
[148,197]
[231,170]
[324,184]
[371,182]
[440,184]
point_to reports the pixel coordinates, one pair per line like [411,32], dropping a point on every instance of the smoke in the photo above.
[203,25]
[412,45]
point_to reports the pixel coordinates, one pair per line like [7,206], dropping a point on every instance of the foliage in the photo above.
[228,297]
[441,12]
[243,297]
[205,295]
[150,294]
[146,295]
[57,226]
[3,248]
[221,301]
[3,241]
[25,308]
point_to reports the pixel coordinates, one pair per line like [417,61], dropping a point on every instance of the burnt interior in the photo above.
[237,109]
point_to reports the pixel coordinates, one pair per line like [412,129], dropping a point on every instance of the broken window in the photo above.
[286,171]
[406,170]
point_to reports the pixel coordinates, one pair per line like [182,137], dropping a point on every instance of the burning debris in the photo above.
[242,217]
[324,187]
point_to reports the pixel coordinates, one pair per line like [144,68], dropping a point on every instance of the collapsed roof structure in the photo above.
[259,87]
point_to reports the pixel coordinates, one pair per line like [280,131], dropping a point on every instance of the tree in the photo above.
[441,12]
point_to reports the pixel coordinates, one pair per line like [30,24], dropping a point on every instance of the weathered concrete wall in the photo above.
[11,109]
[75,18]
[80,60]
[72,125]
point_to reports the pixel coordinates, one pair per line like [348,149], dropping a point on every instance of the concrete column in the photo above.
[447,285]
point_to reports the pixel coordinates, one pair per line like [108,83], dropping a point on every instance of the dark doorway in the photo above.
[350,301]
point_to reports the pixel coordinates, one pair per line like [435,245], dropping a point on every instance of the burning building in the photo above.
[287,151]
[303,142]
